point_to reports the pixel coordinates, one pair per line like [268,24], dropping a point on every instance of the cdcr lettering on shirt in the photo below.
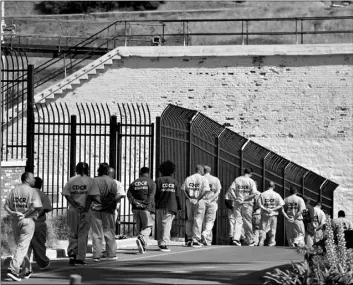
[168,187]
[141,185]
[270,203]
[20,202]
[79,189]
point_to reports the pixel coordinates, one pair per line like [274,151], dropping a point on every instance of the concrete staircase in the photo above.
[78,78]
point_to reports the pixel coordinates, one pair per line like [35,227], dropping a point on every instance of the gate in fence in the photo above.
[14,65]
[188,138]
[60,140]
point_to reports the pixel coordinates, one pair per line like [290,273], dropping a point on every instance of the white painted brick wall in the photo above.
[297,105]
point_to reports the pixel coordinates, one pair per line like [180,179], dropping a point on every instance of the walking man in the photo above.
[270,202]
[121,194]
[342,221]
[141,195]
[292,212]
[211,206]
[319,222]
[308,219]
[23,204]
[103,220]
[167,203]
[195,187]
[240,199]
[80,191]
[40,231]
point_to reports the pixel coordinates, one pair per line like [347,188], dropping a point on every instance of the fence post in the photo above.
[241,155]
[189,148]
[158,145]
[112,141]
[118,164]
[152,149]
[284,196]
[73,145]
[301,31]
[30,119]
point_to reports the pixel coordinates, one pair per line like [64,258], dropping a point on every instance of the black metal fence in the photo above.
[60,140]
[14,65]
[189,138]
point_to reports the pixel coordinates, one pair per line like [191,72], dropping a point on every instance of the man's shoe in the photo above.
[196,244]
[236,242]
[189,243]
[142,240]
[45,267]
[140,246]
[112,258]
[80,262]
[204,241]
[72,261]
[13,276]
[28,274]
[96,260]
[164,248]
[252,243]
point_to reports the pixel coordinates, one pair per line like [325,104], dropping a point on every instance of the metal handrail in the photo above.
[71,52]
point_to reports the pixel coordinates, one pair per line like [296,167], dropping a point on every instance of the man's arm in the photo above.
[262,206]
[151,194]
[285,214]
[218,191]
[11,212]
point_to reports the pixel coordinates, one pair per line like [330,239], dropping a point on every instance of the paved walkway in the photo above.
[183,265]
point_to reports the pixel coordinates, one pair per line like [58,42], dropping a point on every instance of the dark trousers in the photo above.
[38,245]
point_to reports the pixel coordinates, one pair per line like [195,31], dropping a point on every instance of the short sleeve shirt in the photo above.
[343,222]
[108,194]
[214,184]
[294,204]
[271,199]
[194,185]
[319,217]
[79,187]
[241,188]
[120,188]
[22,198]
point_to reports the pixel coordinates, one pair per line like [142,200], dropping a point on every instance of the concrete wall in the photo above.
[295,100]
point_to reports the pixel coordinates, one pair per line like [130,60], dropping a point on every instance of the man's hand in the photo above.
[194,201]
[81,209]
[20,216]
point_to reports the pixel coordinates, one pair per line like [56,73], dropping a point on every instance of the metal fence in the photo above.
[14,92]
[59,140]
[189,138]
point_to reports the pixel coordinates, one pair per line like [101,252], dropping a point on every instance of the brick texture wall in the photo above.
[296,103]
[11,172]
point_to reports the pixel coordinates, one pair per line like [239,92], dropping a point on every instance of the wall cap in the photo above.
[13,163]
[236,50]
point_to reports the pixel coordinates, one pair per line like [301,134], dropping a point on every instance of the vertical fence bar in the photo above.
[242,33]
[158,145]
[112,141]
[184,33]
[301,31]
[151,149]
[189,148]
[30,119]
[73,125]
[247,32]
[119,155]
[241,155]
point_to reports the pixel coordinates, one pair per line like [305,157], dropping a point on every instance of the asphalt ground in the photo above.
[183,265]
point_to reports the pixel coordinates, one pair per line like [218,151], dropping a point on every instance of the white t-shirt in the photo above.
[294,204]
[194,185]
[319,217]
[242,187]
[214,184]
[270,200]
[79,187]
[120,187]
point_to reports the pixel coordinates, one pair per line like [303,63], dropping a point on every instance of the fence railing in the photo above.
[189,138]
[174,32]
[14,84]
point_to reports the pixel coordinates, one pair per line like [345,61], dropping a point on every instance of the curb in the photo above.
[61,252]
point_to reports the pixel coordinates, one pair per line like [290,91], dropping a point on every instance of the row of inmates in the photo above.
[93,202]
